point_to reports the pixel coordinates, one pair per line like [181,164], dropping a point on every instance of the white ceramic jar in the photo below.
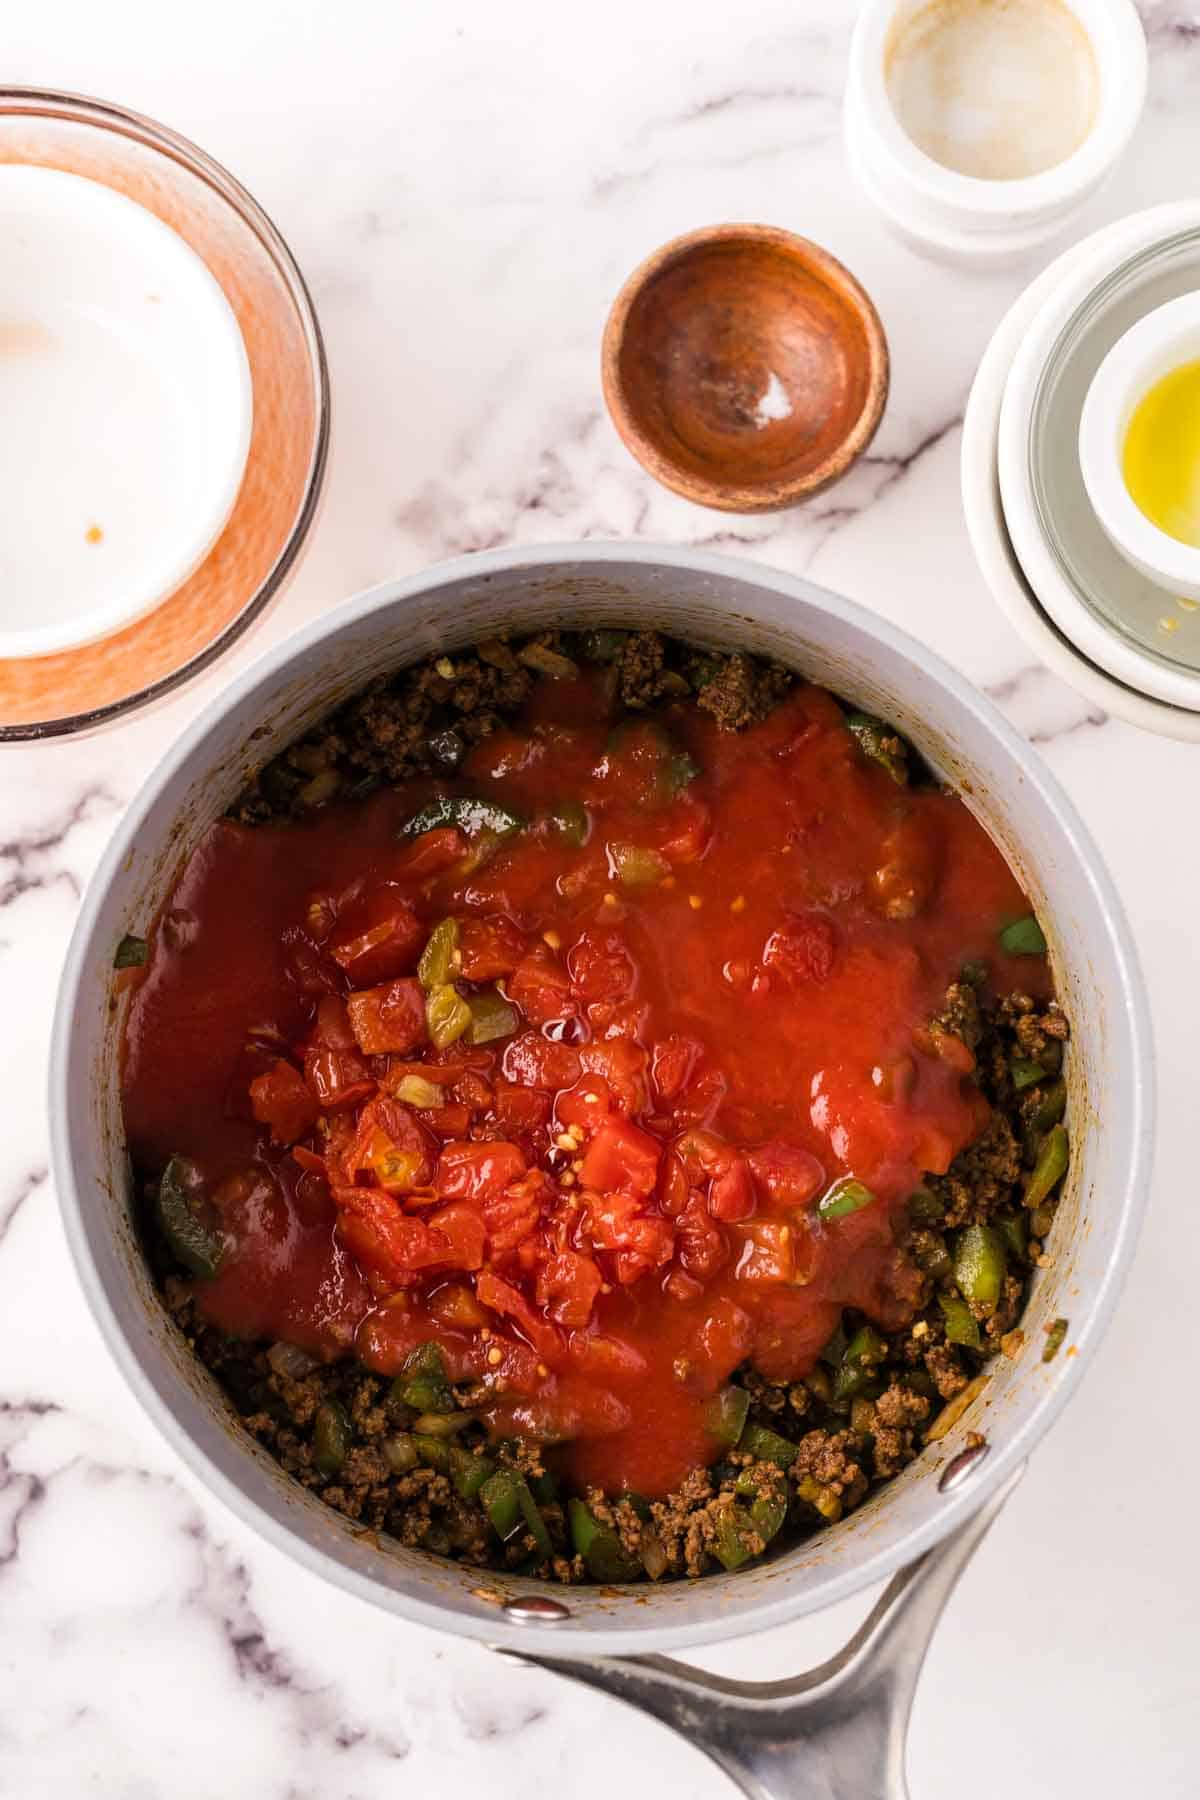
[969,219]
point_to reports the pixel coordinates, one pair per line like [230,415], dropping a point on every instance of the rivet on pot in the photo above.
[960,1466]
[535,1609]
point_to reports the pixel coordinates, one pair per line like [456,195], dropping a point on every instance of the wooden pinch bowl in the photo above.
[744,367]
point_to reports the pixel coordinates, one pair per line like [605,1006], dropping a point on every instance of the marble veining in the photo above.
[466,188]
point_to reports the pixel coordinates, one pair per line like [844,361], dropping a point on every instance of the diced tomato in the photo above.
[541,987]
[388,1018]
[398,1071]
[519,1109]
[452,1063]
[702,1245]
[502,1297]
[472,1091]
[283,1100]
[505,752]
[514,1213]
[533,1061]
[392,1145]
[600,966]
[567,1286]
[791,1176]
[623,1066]
[621,1159]
[681,1287]
[609,1358]
[307,966]
[430,854]
[463,1230]
[396,1246]
[686,830]
[587,1104]
[933,1151]
[387,947]
[907,870]
[674,1189]
[767,1252]
[477,1171]
[722,1342]
[703,1153]
[333,1030]
[802,949]
[671,1064]
[731,1193]
[338,1078]
[701,1100]
[640,1240]
[791,1329]
[453,1121]
[490,948]
[456,1306]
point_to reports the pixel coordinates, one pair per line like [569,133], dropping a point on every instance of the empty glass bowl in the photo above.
[81,688]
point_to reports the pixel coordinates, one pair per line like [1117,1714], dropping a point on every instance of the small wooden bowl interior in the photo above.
[744,367]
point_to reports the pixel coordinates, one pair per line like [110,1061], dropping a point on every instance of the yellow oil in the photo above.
[1161,456]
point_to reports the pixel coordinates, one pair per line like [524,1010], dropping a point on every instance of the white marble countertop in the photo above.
[465,186]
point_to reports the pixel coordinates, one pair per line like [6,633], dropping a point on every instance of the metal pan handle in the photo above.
[835,1733]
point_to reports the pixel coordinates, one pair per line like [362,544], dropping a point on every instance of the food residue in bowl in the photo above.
[996,89]
[1160,457]
[114,409]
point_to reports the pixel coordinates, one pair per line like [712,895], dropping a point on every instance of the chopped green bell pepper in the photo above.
[491,1017]
[191,1238]
[881,744]
[447,1016]
[725,1415]
[1050,1167]
[600,1547]
[638,867]
[962,1327]
[768,1446]
[331,1436]
[439,959]
[1023,937]
[423,1383]
[468,1472]
[980,1266]
[845,1196]
[1026,1073]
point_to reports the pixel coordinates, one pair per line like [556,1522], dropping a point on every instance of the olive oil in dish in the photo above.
[125,410]
[1160,458]
[995,89]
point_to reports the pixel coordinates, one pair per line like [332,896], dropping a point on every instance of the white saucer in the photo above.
[1109,609]
[987,529]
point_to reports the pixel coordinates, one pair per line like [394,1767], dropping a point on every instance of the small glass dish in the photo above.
[1118,616]
[83,688]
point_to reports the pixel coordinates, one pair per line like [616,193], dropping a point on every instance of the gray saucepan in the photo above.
[837,1731]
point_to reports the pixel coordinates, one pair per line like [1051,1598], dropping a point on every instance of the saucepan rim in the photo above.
[1008,1451]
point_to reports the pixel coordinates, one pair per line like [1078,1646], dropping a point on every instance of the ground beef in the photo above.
[741,689]
[849,1426]
[425,719]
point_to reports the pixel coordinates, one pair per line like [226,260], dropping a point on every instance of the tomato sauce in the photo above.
[715,959]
